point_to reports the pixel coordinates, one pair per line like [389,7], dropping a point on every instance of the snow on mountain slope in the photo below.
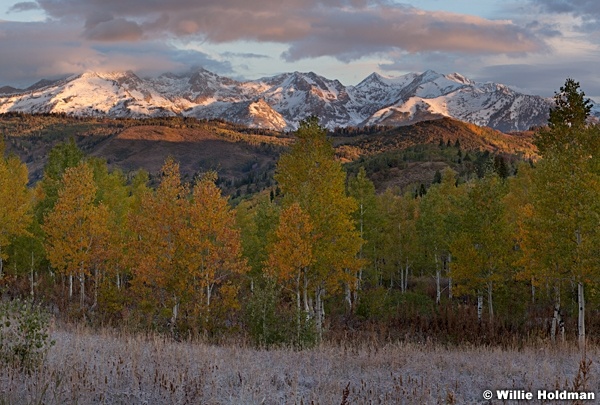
[280,102]
[93,94]
[485,104]
[297,96]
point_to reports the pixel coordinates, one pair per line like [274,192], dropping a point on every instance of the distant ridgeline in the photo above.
[244,158]
[282,101]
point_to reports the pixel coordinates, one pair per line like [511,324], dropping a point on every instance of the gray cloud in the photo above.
[344,29]
[244,55]
[348,35]
[24,6]
[117,29]
[576,7]
[587,10]
[544,79]
[535,77]
[54,49]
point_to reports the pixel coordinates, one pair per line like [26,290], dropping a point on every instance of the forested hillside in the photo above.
[245,158]
[493,246]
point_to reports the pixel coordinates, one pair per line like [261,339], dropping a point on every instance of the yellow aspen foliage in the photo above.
[292,253]
[15,201]
[310,176]
[184,247]
[215,247]
[76,228]
[155,249]
[483,246]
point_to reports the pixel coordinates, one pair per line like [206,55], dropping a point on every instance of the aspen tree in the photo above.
[76,228]
[15,202]
[310,176]
[566,194]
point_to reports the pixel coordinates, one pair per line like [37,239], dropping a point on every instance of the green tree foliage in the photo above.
[398,240]
[483,244]
[61,157]
[565,196]
[367,220]
[257,221]
[567,118]
[438,225]
[310,176]
[24,335]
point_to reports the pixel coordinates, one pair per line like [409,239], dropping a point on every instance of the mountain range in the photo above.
[281,101]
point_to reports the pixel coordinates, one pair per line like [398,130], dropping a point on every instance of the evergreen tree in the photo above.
[566,194]
[567,118]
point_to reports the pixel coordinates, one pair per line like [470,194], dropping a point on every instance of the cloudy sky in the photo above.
[531,45]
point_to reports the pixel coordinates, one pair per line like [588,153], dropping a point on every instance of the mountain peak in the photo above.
[457,77]
[372,78]
[282,101]
[430,75]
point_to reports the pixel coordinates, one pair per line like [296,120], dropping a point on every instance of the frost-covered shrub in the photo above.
[24,338]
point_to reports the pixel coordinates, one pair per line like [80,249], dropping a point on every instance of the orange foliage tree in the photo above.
[215,247]
[183,248]
[291,256]
[76,228]
[15,201]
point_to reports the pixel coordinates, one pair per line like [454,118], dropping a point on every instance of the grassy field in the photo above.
[85,367]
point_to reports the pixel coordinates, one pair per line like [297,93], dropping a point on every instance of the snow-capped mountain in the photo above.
[280,102]
[431,95]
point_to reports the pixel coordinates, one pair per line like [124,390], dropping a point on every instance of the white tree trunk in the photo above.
[318,320]
[81,290]
[175,313]
[208,296]
[319,314]
[450,295]
[406,271]
[438,280]
[70,286]
[1,264]
[581,317]
[557,321]
[479,306]
[348,296]
[97,281]
[358,285]
[307,306]
[298,308]
[490,300]
[401,278]
[32,277]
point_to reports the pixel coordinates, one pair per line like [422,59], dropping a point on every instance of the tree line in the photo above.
[324,252]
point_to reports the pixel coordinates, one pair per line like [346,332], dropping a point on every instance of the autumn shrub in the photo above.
[24,338]
[270,324]
[380,304]
[264,325]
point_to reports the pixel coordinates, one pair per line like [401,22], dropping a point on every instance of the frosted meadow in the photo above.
[89,367]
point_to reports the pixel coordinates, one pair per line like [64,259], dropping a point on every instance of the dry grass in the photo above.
[96,368]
